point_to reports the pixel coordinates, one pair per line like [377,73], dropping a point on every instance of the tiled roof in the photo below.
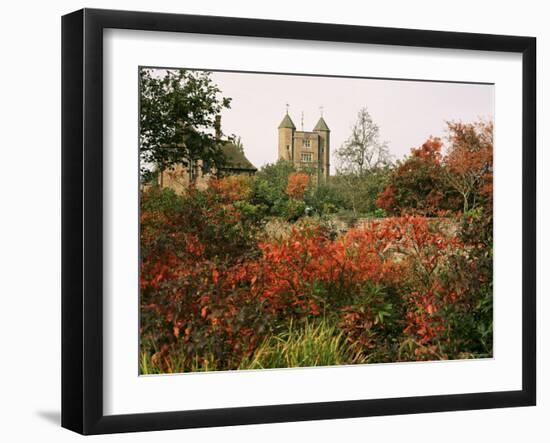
[235,158]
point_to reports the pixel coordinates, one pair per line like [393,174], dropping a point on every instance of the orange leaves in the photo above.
[215,276]
[436,282]
[290,268]
[429,151]
[428,181]
[386,252]
[297,185]
[470,161]
[231,189]
[193,246]
[386,199]
[415,185]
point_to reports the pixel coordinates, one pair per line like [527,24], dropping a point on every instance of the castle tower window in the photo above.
[307,143]
[307,156]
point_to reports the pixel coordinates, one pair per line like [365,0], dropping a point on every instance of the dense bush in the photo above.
[214,291]
[358,193]
[189,246]
[417,184]
[325,198]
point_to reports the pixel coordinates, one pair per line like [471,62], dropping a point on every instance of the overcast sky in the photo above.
[407,112]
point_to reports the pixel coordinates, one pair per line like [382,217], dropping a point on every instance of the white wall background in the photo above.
[30,219]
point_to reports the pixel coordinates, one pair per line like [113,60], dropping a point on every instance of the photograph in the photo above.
[293,220]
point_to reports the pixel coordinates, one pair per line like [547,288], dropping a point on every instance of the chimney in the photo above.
[218,126]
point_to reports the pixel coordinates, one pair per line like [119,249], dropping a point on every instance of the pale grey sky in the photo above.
[408,112]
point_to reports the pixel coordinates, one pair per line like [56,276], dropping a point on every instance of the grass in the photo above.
[315,344]
[174,363]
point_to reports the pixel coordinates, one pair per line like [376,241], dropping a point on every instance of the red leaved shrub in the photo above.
[212,291]
[297,185]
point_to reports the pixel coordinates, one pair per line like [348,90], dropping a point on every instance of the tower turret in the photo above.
[286,138]
[323,130]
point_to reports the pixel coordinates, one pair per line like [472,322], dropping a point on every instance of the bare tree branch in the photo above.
[363,150]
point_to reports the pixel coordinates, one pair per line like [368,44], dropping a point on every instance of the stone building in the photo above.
[307,150]
[180,176]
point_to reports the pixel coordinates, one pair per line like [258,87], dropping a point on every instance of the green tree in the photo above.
[359,193]
[325,198]
[178,112]
[270,186]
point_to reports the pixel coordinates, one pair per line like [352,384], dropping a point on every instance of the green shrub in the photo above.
[325,198]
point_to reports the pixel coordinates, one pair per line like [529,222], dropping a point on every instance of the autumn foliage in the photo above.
[431,182]
[213,289]
[297,185]
[219,291]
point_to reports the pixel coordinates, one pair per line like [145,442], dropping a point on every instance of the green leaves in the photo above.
[178,110]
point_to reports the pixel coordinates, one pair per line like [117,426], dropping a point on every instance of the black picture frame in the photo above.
[82,218]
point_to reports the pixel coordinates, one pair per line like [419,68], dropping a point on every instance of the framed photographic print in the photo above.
[269,221]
